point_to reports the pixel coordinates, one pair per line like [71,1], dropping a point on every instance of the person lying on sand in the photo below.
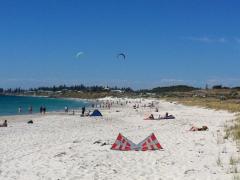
[150,117]
[4,124]
[88,113]
[203,128]
[30,122]
[167,116]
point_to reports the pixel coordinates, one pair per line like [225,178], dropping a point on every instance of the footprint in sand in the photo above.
[189,171]
[76,141]
[97,142]
[115,171]
[199,144]
[205,166]
[60,154]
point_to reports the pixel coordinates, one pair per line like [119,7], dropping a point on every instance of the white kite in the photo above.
[79,54]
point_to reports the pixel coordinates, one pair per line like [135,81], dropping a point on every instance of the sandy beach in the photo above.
[64,146]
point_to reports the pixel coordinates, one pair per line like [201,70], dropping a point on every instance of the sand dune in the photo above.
[74,147]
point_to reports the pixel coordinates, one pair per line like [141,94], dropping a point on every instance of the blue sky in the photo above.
[193,42]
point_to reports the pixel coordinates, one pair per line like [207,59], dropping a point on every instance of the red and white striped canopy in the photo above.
[123,144]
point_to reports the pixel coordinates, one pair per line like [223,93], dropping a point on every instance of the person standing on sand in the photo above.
[41,110]
[20,109]
[44,109]
[30,109]
[66,109]
[83,110]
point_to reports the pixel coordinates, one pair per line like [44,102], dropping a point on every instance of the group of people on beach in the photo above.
[166,116]
[108,105]
[103,105]
[30,109]
[43,110]
[66,110]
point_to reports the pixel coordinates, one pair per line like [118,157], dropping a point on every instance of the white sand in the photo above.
[62,146]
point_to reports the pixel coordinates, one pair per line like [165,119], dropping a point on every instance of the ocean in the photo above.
[9,105]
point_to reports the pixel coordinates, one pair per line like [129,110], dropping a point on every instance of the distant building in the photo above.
[106,88]
[117,91]
[151,94]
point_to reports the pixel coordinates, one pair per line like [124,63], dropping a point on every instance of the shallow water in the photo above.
[9,105]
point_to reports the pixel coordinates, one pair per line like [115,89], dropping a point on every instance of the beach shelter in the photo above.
[96,113]
[150,143]
[123,144]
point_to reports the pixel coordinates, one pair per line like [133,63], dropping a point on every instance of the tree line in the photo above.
[67,88]
[83,88]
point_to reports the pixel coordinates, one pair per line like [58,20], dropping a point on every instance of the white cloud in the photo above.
[206,39]
[200,39]
[221,40]
[171,80]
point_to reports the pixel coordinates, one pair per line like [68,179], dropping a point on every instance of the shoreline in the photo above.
[71,103]
[22,95]
[26,117]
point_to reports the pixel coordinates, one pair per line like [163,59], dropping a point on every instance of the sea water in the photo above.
[9,105]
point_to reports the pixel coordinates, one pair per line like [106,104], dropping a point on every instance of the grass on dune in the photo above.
[235,130]
[212,103]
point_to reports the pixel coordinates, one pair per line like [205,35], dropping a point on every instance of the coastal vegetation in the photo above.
[217,92]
